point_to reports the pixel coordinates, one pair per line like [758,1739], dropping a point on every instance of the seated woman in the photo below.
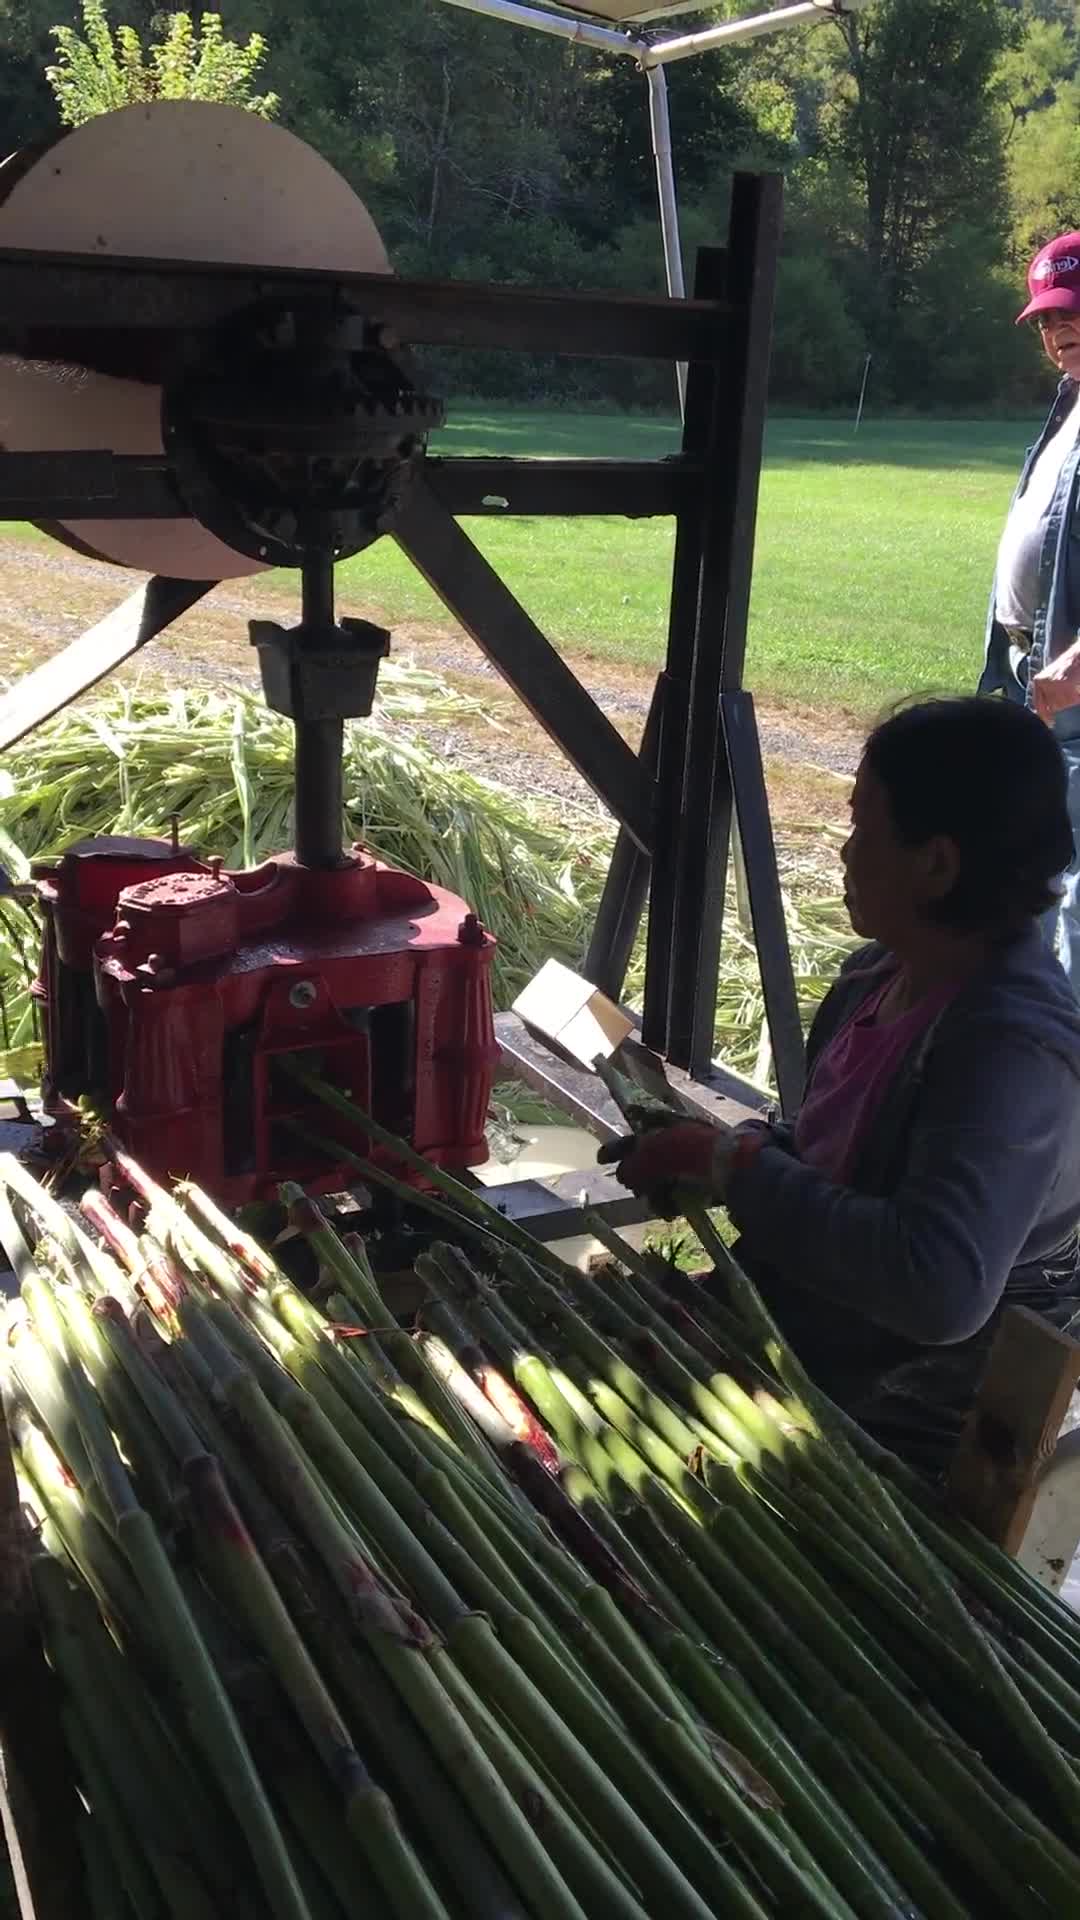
[932,1173]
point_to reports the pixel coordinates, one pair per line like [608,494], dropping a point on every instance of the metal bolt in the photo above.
[304,994]
[470,933]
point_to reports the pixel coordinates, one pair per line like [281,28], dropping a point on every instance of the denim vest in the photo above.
[1057,618]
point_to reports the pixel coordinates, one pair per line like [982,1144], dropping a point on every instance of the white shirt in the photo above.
[1016,593]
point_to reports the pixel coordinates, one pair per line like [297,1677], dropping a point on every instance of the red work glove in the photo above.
[687,1155]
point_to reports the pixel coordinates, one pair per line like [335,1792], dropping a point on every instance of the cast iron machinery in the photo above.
[221,387]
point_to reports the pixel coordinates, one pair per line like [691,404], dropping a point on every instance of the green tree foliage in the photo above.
[1039,85]
[914,118]
[26,106]
[818,349]
[101,68]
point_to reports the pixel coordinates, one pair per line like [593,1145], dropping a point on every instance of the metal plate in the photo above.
[621,13]
[551,1209]
[716,1094]
[177,180]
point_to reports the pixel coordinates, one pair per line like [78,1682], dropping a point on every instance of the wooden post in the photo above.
[1013,1427]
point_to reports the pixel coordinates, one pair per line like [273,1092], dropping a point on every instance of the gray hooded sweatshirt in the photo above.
[965,1192]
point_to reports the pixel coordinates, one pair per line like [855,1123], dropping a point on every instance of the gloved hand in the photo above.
[688,1155]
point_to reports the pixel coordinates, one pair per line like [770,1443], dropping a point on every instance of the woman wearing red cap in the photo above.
[1033,632]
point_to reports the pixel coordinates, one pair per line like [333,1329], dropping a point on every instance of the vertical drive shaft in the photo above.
[319,793]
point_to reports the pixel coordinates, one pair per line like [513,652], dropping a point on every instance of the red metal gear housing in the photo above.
[174,992]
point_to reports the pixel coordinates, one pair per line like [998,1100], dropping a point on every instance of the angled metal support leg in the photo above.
[709,777]
[672,739]
[735,436]
[483,604]
[766,901]
[97,652]
[626,888]
[692,532]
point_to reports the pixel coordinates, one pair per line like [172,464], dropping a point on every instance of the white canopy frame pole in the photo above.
[587,33]
[667,199]
[653,54]
[682,46]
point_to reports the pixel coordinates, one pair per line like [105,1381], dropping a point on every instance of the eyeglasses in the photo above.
[1053,317]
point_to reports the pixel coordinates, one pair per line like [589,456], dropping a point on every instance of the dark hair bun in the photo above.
[992,777]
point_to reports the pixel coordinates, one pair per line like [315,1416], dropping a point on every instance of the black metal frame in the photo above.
[700,762]
[51,296]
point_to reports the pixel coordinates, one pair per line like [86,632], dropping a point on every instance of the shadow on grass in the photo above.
[949,445]
[952,445]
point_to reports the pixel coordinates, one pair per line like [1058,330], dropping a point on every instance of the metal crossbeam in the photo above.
[125,297]
[115,486]
[87,486]
[638,489]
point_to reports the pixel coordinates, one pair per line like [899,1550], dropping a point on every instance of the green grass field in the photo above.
[873,566]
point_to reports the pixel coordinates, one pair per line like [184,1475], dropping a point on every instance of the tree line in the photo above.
[928,147]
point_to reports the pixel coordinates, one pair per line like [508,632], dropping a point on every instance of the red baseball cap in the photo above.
[1054,277]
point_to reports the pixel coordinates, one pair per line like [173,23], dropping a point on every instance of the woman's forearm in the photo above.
[929,1261]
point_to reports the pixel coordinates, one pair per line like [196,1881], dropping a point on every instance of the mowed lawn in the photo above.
[873,564]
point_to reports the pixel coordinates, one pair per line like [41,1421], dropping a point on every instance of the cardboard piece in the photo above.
[572,1015]
[1013,1428]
